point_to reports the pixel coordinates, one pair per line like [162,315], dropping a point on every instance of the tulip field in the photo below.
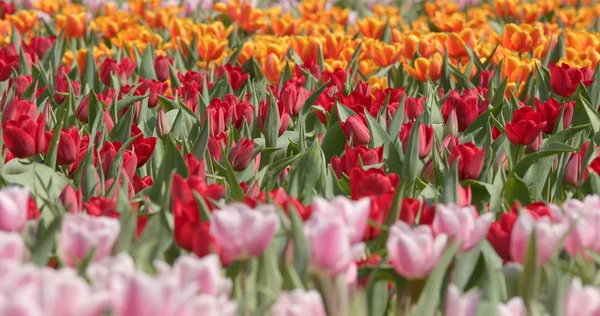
[299,158]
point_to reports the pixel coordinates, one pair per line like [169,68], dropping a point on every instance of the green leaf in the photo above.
[45,183]
[172,161]
[344,112]
[301,252]
[300,183]
[313,98]
[128,221]
[450,184]
[40,254]
[516,190]
[379,136]
[234,184]
[54,141]
[410,172]
[529,282]
[465,264]
[147,65]
[550,150]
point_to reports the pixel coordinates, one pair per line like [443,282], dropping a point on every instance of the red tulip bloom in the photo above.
[216,144]
[108,154]
[499,234]
[372,182]
[141,183]
[153,88]
[17,108]
[101,206]
[24,137]
[62,84]
[122,69]
[550,112]
[234,74]
[564,79]
[41,44]
[263,111]
[241,154]
[467,107]
[413,107]
[355,128]
[357,156]
[162,69]
[6,9]
[195,167]
[525,126]
[240,110]
[409,210]
[425,138]
[293,97]
[9,61]
[142,146]
[337,78]
[68,145]
[470,158]
[71,199]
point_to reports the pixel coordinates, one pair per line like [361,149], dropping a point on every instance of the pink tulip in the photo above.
[81,233]
[12,247]
[332,252]
[242,232]
[581,300]
[13,208]
[459,304]
[354,213]
[202,273]
[206,305]
[514,307]
[462,222]
[102,272]
[547,234]
[414,252]
[298,302]
[583,218]
[136,295]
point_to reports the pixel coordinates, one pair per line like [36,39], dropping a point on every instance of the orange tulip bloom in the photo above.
[384,55]
[272,67]
[426,68]
[523,38]
[306,47]
[74,25]
[371,27]
[210,48]
[24,20]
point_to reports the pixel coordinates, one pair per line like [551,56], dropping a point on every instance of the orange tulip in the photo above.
[272,67]
[426,68]
[371,27]
[24,20]
[306,47]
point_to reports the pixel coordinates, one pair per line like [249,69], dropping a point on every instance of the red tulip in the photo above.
[41,44]
[216,144]
[101,206]
[413,107]
[470,158]
[195,167]
[239,111]
[71,199]
[68,146]
[142,146]
[162,69]
[337,78]
[425,138]
[564,79]
[62,84]
[525,126]
[372,182]
[17,108]
[234,74]
[550,112]
[141,183]
[219,116]
[24,137]
[409,210]
[467,107]
[293,97]
[9,61]
[355,128]
[6,9]
[108,154]
[241,154]
[153,88]
[263,111]
[21,83]
[357,156]
[123,69]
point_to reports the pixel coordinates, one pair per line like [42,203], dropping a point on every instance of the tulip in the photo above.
[584,222]
[240,111]
[413,107]
[425,138]
[162,123]
[235,75]
[24,137]
[62,84]
[12,247]
[153,88]
[581,300]
[547,234]
[41,44]
[355,128]
[242,232]
[356,156]
[564,79]
[140,184]
[142,146]
[204,274]
[514,307]
[136,295]
[409,210]
[465,107]
[298,302]
[525,126]
[241,154]
[161,67]
[13,208]
[372,182]
[550,112]
[68,146]
[9,61]
[81,233]
[331,250]
[459,304]
[354,214]
[462,222]
[471,159]
[216,144]
[451,125]
[122,69]
[293,97]
[263,111]
[17,108]
[414,252]
[71,199]
[21,83]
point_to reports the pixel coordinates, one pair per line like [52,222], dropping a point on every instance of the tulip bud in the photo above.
[573,170]
[21,84]
[241,154]
[161,67]
[451,126]
[427,174]
[71,199]
[459,304]
[501,161]
[48,114]
[535,145]
[162,124]
[355,127]
[514,307]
